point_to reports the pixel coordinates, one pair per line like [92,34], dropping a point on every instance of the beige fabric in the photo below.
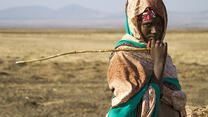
[148,103]
[126,76]
[128,73]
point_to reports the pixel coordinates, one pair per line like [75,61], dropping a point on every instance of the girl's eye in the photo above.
[147,24]
[159,24]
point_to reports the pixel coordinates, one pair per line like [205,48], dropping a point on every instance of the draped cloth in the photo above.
[129,73]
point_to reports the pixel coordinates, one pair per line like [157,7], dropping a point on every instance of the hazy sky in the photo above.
[107,5]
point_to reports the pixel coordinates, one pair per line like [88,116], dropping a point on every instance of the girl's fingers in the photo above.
[166,48]
[161,44]
[149,44]
[157,43]
[152,43]
[166,45]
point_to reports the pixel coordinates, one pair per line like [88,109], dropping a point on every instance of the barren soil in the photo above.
[76,85]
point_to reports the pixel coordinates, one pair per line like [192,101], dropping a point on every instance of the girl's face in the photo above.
[152,29]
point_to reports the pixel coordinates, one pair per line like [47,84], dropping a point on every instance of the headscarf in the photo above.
[134,8]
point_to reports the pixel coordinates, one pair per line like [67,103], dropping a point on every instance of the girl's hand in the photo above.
[158,53]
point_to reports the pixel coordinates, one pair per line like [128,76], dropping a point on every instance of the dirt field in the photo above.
[76,85]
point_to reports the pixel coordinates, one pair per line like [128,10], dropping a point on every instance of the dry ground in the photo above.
[76,86]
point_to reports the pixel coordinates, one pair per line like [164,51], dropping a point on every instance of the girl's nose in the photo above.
[153,30]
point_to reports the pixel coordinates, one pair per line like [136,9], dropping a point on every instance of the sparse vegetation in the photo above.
[76,85]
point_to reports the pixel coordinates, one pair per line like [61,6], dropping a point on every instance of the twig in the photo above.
[82,51]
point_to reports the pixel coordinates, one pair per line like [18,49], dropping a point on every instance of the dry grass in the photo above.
[76,85]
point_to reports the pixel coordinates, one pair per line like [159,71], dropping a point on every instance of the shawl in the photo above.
[129,72]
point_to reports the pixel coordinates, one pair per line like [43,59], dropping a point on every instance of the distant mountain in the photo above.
[78,12]
[75,16]
[188,19]
[70,12]
[71,16]
[26,13]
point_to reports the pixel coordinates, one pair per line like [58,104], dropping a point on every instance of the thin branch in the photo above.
[82,51]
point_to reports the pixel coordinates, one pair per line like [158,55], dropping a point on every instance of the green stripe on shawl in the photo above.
[174,81]
[131,42]
[128,31]
[129,109]
[157,91]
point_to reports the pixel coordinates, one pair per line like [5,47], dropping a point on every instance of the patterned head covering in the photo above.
[148,14]
[144,9]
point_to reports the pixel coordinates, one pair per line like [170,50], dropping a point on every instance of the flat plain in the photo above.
[76,85]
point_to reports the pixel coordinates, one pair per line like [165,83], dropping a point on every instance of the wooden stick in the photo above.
[82,51]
